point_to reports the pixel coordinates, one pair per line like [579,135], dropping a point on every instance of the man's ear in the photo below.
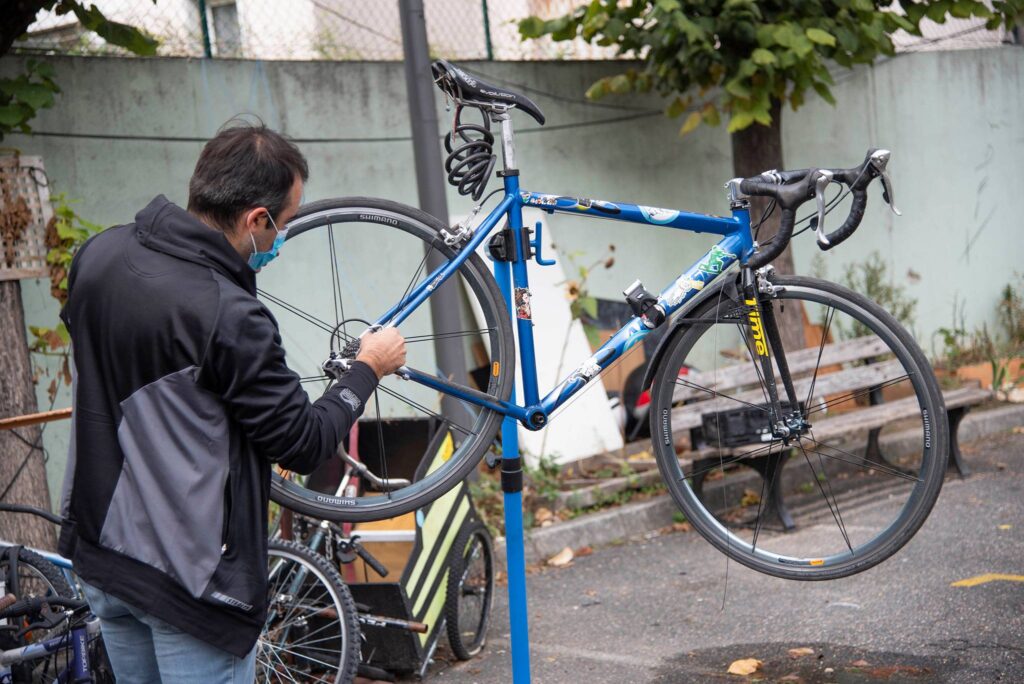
[255,220]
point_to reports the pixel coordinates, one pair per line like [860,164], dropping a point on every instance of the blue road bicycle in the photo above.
[721,315]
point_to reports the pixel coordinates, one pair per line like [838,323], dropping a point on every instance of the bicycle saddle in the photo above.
[464,86]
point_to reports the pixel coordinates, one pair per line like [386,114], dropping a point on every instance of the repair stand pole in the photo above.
[512,486]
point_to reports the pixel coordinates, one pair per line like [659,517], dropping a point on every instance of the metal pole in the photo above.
[445,303]
[205,27]
[487,32]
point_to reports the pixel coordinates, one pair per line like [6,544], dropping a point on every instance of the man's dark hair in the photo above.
[244,167]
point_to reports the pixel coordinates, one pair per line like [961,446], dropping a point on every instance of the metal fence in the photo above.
[315,29]
[370,30]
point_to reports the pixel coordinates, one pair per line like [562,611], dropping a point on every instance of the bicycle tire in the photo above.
[725,532]
[389,219]
[332,608]
[471,545]
[47,575]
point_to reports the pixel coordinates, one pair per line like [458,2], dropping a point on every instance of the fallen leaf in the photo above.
[682,527]
[562,558]
[639,456]
[744,666]
[543,515]
[793,677]
[750,497]
[860,663]
[1019,430]
[584,551]
[1005,527]
[800,652]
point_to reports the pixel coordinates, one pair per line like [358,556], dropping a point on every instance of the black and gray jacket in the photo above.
[182,402]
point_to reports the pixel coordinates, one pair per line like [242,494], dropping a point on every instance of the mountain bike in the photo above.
[386,260]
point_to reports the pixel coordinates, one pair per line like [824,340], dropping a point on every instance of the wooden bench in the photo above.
[849,367]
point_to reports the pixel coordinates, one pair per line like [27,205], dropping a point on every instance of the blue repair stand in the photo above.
[512,486]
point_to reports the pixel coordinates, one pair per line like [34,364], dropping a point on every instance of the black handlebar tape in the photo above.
[778,242]
[860,203]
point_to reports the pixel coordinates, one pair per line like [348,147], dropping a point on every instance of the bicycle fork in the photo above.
[767,343]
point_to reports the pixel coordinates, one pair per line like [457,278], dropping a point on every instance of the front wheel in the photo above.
[311,632]
[854,499]
[345,263]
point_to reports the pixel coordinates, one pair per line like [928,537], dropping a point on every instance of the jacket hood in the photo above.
[165,227]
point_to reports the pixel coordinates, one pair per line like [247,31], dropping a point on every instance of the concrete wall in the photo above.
[125,130]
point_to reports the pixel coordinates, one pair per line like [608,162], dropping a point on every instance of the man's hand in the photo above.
[383,351]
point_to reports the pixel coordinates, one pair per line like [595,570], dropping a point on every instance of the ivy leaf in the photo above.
[738,88]
[35,95]
[598,90]
[676,108]
[619,84]
[12,115]
[763,57]
[821,37]
[691,123]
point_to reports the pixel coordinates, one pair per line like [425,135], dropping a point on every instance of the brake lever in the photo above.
[879,160]
[820,183]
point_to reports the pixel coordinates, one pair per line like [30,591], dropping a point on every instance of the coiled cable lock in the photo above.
[469,164]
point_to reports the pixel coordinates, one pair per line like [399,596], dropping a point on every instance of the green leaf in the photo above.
[668,5]
[614,28]
[115,33]
[589,305]
[12,115]
[691,123]
[710,114]
[821,37]
[35,95]
[619,84]
[597,90]
[676,107]
[531,27]
[593,335]
[763,57]
[824,92]
[738,88]
[739,121]
[937,11]
[863,5]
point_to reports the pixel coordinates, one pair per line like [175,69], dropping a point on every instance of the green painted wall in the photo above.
[954,121]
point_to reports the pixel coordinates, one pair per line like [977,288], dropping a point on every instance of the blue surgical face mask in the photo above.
[258,259]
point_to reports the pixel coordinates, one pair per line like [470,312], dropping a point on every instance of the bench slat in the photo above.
[803,361]
[845,381]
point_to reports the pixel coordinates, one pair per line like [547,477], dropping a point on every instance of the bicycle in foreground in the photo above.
[721,314]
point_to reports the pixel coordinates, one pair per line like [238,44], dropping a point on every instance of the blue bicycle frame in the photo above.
[736,245]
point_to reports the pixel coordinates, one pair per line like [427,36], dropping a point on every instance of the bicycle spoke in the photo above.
[728,461]
[765,489]
[701,388]
[834,510]
[309,318]
[424,409]
[448,335]
[339,301]
[821,348]
[862,462]
[857,394]
[761,382]
[380,442]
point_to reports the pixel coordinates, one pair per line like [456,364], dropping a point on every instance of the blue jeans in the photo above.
[147,650]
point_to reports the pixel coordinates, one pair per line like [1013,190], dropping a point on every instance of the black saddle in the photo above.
[467,87]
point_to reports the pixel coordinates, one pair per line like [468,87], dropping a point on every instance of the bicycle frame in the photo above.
[76,671]
[736,245]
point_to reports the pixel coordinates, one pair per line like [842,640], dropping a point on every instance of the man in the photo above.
[182,401]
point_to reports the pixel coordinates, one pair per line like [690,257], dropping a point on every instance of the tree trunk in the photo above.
[756,149]
[18,16]
[21,453]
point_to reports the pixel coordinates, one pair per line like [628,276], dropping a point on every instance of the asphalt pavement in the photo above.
[668,608]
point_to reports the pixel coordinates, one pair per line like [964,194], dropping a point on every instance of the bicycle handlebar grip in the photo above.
[8,601]
[778,241]
[860,203]
[368,558]
[35,604]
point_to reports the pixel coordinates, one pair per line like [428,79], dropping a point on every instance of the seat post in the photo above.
[508,148]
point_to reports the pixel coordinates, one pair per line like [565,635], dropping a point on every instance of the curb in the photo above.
[630,520]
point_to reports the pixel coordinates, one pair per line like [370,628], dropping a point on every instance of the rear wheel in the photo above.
[345,263]
[852,507]
[470,591]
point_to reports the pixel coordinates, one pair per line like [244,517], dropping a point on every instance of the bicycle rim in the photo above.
[855,495]
[352,260]
[470,592]
[311,633]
